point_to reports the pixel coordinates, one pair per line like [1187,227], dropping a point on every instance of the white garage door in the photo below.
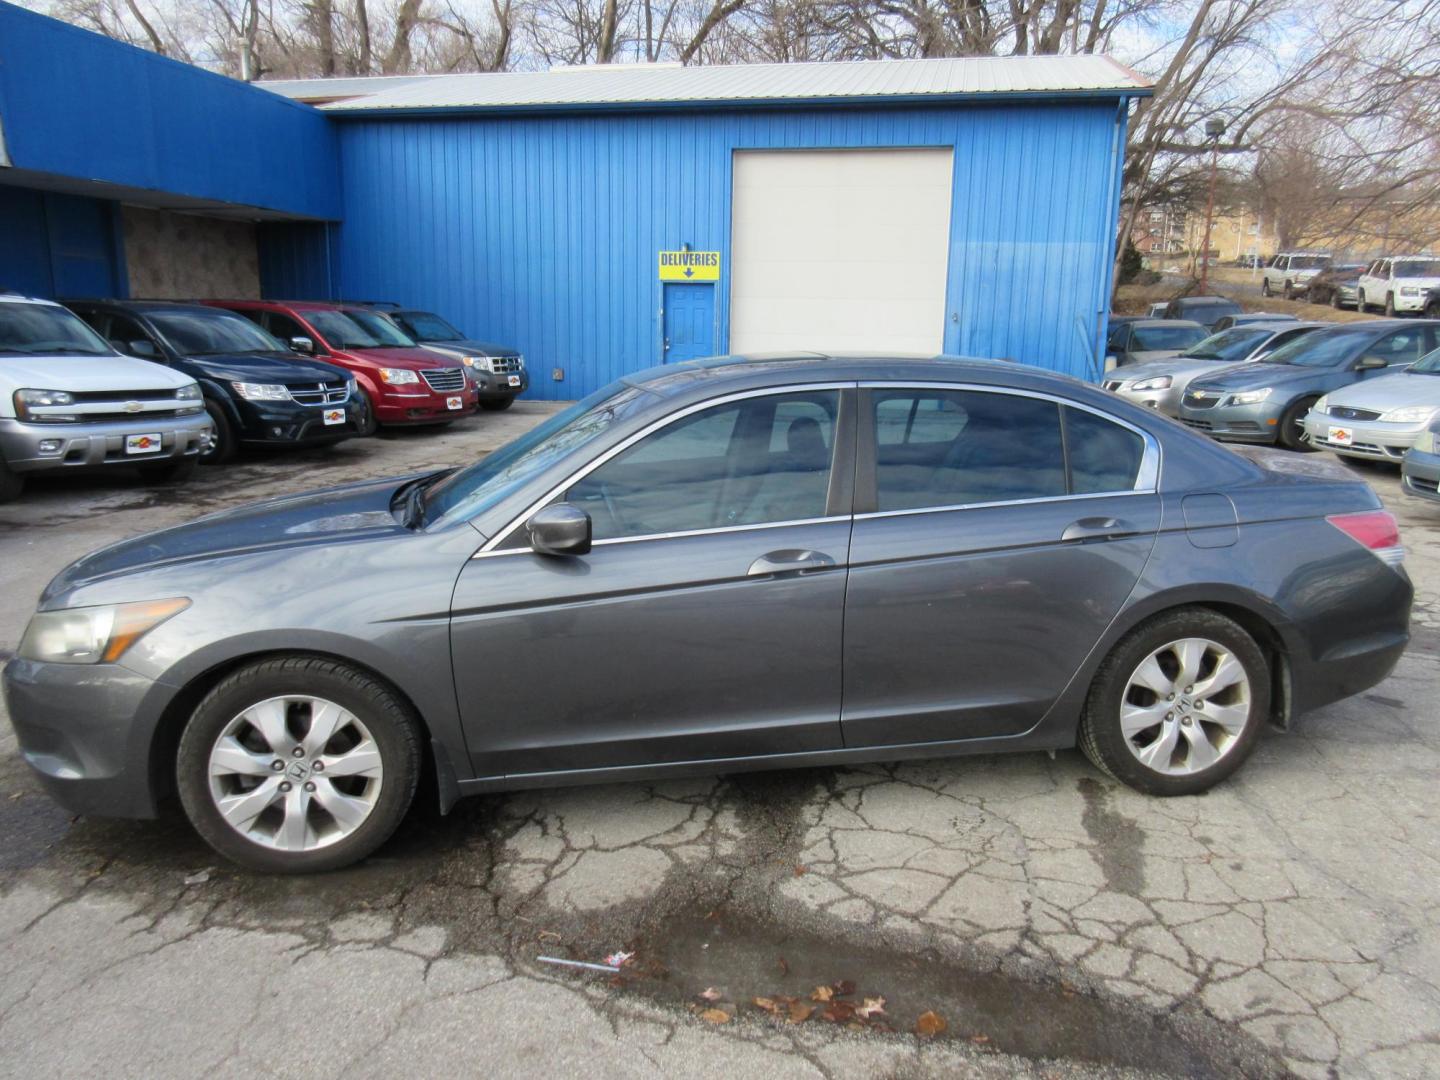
[839,249]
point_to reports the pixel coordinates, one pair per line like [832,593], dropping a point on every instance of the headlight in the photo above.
[1409,290]
[1249,397]
[257,391]
[1425,442]
[473,361]
[188,392]
[1160,383]
[27,400]
[1323,405]
[93,635]
[398,376]
[1409,414]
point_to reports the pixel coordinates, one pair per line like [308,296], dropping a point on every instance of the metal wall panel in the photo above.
[542,231]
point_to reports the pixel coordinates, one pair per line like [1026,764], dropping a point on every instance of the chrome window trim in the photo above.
[870,514]
[1147,477]
[490,546]
[719,530]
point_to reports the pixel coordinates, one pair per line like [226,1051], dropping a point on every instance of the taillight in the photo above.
[1374,529]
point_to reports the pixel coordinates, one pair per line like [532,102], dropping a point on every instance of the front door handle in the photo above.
[789,561]
[1097,528]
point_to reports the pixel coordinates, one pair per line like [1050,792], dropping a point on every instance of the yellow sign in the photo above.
[689,266]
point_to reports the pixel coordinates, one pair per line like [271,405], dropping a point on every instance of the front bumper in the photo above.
[100,443]
[1420,475]
[409,404]
[1165,401]
[271,422]
[497,387]
[1258,423]
[82,728]
[1410,303]
[1369,439]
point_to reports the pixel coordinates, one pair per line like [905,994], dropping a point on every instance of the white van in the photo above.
[68,400]
[1289,273]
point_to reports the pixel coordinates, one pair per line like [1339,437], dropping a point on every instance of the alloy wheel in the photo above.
[1185,706]
[295,773]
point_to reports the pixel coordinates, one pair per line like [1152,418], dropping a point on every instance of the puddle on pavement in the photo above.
[1013,1015]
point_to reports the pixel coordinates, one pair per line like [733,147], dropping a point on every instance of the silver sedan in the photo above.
[1160,384]
[1378,419]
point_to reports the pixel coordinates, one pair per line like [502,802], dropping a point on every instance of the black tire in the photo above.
[368,424]
[392,725]
[11,484]
[1360,305]
[496,404]
[1390,305]
[1265,287]
[223,444]
[174,471]
[1100,736]
[1335,300]
[1291,430]
[1289,291]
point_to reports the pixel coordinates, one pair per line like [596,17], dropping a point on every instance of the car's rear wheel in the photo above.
[1178,705]
[496,404]
[298,764]
[1291,429]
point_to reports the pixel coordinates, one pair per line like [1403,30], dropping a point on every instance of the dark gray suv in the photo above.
[715,566]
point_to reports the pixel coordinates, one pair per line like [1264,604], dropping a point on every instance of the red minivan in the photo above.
[403,383]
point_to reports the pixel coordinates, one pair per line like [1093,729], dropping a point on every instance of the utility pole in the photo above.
[1213,130]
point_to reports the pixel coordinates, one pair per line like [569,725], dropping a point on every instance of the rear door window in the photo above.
[1102,456]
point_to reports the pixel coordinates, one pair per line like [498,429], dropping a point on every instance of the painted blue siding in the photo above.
[59,245]
[542,232]
[78,105]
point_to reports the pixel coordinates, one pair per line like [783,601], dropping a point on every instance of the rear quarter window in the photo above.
[1102,455]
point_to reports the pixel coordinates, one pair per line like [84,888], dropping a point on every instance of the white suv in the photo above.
[1397,283]
[67,399]
[1289,273]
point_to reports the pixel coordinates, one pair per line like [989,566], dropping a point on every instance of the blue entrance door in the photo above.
[689,322]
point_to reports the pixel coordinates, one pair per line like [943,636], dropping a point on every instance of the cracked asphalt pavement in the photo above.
[1283,924]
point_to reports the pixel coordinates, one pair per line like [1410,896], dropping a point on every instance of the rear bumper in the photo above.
[80,728]
[1345,672]
[82,445]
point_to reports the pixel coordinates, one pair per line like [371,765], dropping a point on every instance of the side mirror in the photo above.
[303,345]
[143,348]
[561,529]
[1368,362]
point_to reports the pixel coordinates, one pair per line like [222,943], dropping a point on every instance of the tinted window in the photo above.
[1403,346]
[32,329]
[1324,348]
[196,334]
[954,447]
[1418,268]
[423,326]
[284,327]
[1103,455]
[1233,344]
[747,462]
[1157,338]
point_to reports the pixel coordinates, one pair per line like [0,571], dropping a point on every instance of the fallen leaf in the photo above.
[843,988]
[710,994]
[618,959]
[873,1007]
[839,1012]
[800,1012]
[822,993]
[979,1038]
[715,1016]
[784,966]
[800,871]
[930,1024]
[768,1004]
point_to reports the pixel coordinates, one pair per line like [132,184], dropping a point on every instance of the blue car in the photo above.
[1266,402]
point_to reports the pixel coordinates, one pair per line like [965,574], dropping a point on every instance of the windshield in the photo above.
[1309,262]
[471,490]
[1232,344]
[1157,338]
[205,334]
[358,330]
[1328,348]
[424,326]
[36,329]
[1417,267]
[1429,364]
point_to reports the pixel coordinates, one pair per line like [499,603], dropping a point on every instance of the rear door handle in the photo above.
[1097,528]
[789,561]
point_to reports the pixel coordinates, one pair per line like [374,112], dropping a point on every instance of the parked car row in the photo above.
[1395,284]
[172,384]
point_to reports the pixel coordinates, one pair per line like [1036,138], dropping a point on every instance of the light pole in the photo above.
[1213,130]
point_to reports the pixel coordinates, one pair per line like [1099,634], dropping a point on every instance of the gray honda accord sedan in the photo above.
[712,567]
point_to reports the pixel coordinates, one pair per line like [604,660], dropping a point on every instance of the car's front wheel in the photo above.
[1335,300]
[1289,291]
[222,442]
[1290,432]
[11,484]
[1389,305]
[1178,705]
[1264,286]
[298,764]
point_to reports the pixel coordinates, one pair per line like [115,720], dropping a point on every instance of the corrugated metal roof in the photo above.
[337,88]
[629,85]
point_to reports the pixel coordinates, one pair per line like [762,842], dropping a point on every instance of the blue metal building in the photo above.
[602,220]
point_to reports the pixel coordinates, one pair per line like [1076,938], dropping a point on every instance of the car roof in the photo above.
[19,298]
[1184,301]
[1168,322]
[149,307]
